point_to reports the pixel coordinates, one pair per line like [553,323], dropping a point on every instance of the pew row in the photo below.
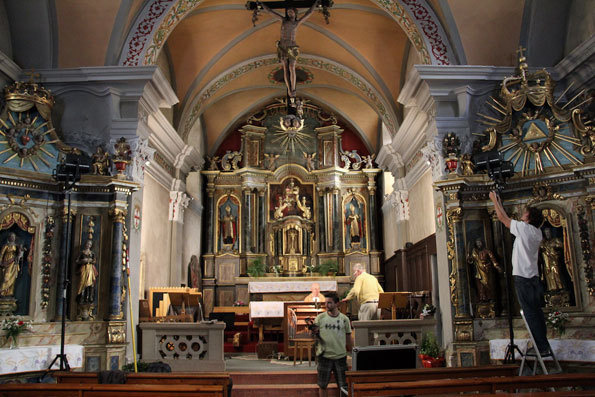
[419,374]
[147,378]
[96,390]
[482,385]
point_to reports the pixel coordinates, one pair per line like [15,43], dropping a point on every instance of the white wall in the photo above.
[421,209]
[155,234]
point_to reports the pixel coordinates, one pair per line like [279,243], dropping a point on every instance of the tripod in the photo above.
[69,173]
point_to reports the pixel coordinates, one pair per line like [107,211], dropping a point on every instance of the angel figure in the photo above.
[309,161]
[270,160]
[213,163]
[369,161]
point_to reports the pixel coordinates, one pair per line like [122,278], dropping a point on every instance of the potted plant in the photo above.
[328,268]
[429,352]
[12,328]
[256,268]
[427,311]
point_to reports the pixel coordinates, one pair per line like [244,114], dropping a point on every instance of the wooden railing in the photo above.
[401,332]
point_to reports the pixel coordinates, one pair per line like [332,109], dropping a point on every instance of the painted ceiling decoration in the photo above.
[159,18]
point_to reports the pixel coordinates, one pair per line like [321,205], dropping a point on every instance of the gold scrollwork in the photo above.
[543,192]
[116,332]
[464,331]
[453,215]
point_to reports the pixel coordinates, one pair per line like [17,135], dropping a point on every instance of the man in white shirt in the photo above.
[525,272]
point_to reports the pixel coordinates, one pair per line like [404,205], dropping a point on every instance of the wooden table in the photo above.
[301,344]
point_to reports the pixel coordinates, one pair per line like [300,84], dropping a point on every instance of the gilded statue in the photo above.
[292,241]
[552,254]
[88,274]
[467,165]
[11,258]
[100,164]
[309,161]
[306,212]
[228,227]
[484,262]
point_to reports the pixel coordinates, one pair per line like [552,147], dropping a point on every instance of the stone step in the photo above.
[274,377]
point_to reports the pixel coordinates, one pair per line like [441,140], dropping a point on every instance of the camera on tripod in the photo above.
[498,169]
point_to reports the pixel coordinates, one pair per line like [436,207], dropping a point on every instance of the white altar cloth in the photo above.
[266,310]
[289,286]
[38,358]
[564,349]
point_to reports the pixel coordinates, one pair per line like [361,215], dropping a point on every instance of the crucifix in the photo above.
[287,48]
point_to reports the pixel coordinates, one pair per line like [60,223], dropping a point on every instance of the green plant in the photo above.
[141,366]
[328,267]
[256,268]
[429,346]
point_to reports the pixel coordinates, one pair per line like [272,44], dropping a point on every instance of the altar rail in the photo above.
[387,332]
[186,347]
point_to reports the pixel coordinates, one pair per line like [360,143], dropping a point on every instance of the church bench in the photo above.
[96,390]
[145,378]
[573,393]
[419,374]
[485,385]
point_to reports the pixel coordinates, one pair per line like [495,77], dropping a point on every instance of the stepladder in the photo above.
[531,350]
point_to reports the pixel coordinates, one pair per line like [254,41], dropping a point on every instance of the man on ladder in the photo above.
[525,272]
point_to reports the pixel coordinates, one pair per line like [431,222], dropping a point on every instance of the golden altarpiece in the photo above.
[33,219]
[550,142]
[289,195]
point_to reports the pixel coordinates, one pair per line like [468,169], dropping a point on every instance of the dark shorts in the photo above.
[326,365]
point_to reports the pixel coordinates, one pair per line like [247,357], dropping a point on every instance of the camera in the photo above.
[311,326]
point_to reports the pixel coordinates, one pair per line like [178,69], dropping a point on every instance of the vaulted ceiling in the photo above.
[220,64]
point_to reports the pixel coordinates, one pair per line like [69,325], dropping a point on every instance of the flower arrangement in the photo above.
[239,302]
[557,320]
[428,310]
[311,268]
[13,327]
[276,269]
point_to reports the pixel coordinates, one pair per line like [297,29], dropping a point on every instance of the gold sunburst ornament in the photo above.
[289,133]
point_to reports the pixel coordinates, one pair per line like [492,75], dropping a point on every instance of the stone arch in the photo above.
[159,18]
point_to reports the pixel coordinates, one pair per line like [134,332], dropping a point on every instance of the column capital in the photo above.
[118,214]
[178,202]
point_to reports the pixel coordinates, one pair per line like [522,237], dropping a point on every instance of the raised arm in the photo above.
[502,215]
[270,10]
[308,13]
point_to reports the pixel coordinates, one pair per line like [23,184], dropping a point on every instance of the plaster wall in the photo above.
[421,209]
[391,234]
[155,234]
[163,64]
[412,59]
[581,24]
[192,235]
[5,44]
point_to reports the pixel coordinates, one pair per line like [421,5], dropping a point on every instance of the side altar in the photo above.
[286,199]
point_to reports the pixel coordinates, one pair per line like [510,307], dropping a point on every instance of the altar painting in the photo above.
[354,223]
[290,198]
[228,211]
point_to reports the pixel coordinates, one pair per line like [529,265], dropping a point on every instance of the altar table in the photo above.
[38,358]
[564,349]
[259,287]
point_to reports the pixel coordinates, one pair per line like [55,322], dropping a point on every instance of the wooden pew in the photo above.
[147,378]
[402,375]
[484,385]
[95,390]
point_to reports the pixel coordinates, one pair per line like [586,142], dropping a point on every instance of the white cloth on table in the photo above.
[255,287]
[564,349]
[38,358]
[266,310]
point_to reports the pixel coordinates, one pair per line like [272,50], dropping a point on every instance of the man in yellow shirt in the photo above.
[366,289]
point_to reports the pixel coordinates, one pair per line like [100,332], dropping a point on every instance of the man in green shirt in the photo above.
[334,340]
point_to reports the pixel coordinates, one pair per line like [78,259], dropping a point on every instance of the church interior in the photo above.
[176,176]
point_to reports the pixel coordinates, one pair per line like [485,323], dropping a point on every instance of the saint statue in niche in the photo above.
[484,263]
[88,274]
[354,226]
[194,273]
[292,241]
[228,227]
[11,259]
[552,255]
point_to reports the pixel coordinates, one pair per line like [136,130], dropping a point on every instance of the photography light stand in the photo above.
[68,172]
[499,171]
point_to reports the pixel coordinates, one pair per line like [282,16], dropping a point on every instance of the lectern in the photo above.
[392,301]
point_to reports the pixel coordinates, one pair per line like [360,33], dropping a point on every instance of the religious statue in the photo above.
[11,258]
[88,274]
[484,261]
[270,160]
[228,227]
[194,273]
[287,49]
[292,241]
[213,163]
[309,160]
[369,160]
[100,164]
[354,226]
[552,254]
[467,165]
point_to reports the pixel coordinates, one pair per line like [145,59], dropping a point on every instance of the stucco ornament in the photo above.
[431,155]
[141,157]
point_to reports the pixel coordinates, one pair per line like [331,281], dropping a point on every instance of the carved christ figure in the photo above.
[287,49]
[228,227]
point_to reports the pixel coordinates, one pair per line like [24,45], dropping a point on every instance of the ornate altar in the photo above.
[289,197]
[550,149]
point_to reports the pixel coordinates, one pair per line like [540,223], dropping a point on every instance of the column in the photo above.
[115,305]
[210,221]
[64,268]
[337,222]
[247,221]
[262,221]
[459,289]
[321,224]
[373,220]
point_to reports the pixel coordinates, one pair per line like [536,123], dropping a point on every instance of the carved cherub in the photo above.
[270,160]
[309,161]
[213,163]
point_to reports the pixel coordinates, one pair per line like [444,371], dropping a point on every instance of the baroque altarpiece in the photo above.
[33,220]
[289,194]
[549,141]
